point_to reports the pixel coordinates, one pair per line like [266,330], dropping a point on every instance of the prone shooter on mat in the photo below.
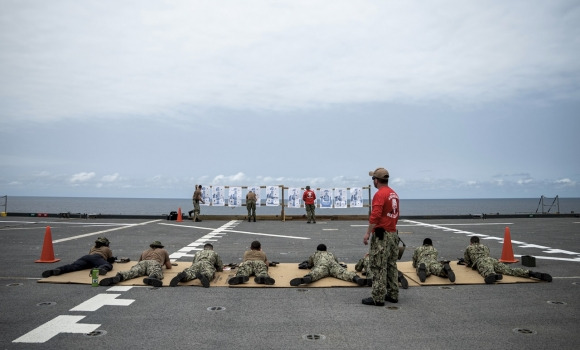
[477,257]
[205,264]
[323,264]
[150,264]
[100,256]
[426,264]
[255,262]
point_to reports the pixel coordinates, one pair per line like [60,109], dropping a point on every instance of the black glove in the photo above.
[460,261]
[122,260]
[273,263]
[303,265]
[342,264]
[112,259]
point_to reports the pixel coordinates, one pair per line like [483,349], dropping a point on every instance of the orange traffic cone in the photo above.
[507,253]
[179,218]
[47,255]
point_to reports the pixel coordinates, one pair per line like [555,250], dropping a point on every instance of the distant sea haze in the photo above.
[163,206]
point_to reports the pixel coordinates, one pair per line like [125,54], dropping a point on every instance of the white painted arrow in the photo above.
[99,300]
[59,324]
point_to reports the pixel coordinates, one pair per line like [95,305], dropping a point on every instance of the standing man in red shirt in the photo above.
[309,198]
[382,232]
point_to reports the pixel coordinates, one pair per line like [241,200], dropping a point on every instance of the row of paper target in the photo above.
[325,197]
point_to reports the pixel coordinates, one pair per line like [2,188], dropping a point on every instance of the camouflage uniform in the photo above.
[252,267]
[427,254]
[477,255]
[196,199]
[310,212]
[325,264]
[251,205]
[383,256]
[205,262]
[151,268]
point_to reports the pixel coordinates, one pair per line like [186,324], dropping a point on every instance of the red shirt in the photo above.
[309,197]
[385,211]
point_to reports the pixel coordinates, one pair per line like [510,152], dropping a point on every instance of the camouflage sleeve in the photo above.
[311,261]
[359,265]
[219,265]
[415,257]
[466,257]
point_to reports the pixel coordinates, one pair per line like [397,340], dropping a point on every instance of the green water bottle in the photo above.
[95,277]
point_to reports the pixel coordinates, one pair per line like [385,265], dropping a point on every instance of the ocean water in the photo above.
[162,206]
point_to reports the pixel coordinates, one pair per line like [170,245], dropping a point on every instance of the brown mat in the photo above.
[282,273]
[463,275]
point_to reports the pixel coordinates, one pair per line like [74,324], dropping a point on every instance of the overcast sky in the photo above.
[457,99]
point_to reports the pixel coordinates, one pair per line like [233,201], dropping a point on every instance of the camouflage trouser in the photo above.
[489,266]
[334,270]
[151,268]
[310,211]
[383,266]
[433,267]
[251,206]
[363,266]
[253,267]
[196,210]
[203,267]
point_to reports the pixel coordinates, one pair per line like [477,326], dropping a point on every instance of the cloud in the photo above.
[111,178]
[234,55]
[565,182]
[82,177]
[229,179]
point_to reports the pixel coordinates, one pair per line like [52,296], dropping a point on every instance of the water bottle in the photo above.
[95,277]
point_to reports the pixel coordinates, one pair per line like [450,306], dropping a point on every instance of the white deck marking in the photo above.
[103,231]
[59,324]
[500,239]
[100,300]
[213,236]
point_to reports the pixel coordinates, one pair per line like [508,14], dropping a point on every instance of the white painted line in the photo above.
[187,226]
[59,324]
[210,237]
[267,234]
[99,300]
[100,232]
[520,244]
[188,249]
[119,288]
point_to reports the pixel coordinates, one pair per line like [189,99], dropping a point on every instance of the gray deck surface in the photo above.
[509,316]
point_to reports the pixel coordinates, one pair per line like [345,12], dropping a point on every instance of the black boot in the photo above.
[238,280]
[449,272]
[296,281]
[422,272]
[152,281]
[402,280]
[111,280]
[492,278]
[264,280]
[48,273]
[175,280]
[370,301]
[541,276]
[203,279]
[360,281]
